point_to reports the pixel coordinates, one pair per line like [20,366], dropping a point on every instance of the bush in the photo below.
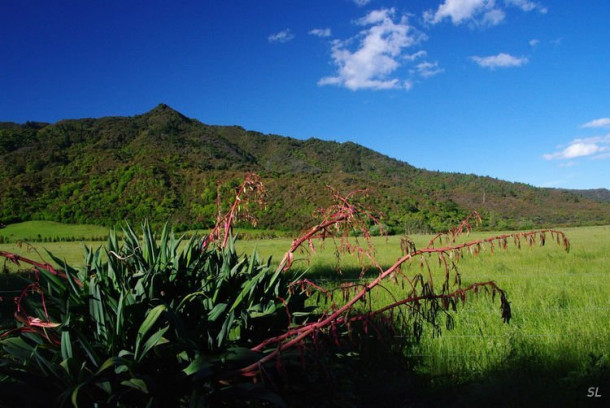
[153,323]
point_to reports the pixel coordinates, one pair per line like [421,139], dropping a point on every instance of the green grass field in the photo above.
[557,344]
[555,348]
[49,230]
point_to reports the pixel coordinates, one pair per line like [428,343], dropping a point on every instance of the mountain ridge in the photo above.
[163,165]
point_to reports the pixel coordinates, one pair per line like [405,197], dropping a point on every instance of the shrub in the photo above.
[153,322]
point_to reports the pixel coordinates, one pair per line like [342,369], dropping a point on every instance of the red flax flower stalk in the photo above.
[455,232]
[343,213]
[16,259]
[340,217]
[251,190]
[33,324]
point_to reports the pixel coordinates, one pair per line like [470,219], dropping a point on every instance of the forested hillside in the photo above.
[162,165]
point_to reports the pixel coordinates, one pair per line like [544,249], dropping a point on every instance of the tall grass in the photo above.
[560,303]
[557,344]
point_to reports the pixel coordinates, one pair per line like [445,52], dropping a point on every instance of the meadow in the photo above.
[35,231]
[556,346]
[554,350]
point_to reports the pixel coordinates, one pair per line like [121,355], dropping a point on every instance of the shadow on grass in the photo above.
[528,382]
[382,378]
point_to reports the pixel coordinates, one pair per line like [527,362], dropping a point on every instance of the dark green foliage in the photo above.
[162,165]
[160,322]
[598,194]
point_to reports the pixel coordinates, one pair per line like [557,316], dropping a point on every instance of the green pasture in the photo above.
[49,230]
[554,349]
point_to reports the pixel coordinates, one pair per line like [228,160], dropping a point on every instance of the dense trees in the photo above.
[162,165]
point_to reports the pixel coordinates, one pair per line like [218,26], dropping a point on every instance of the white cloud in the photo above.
[493,17]
[501,60]
[428,69]
[598,147]
[379,53]
[361,3]
[321,32]
[524,5]
[573,151]
[416,55]
[534,42]
[595,139]
[281,37]
[527,5]
[478,12]
[460,11]
[597,123]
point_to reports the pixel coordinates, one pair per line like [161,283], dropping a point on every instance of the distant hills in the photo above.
[162,165]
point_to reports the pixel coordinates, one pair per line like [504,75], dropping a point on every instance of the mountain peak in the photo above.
[163,111]
[162,108]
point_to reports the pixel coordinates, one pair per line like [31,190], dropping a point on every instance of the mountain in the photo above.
[162,165]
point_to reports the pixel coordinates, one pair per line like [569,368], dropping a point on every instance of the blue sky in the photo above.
[514,89]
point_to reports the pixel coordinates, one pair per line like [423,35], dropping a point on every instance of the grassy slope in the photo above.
[47,231]
[37,230]
[556,346]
